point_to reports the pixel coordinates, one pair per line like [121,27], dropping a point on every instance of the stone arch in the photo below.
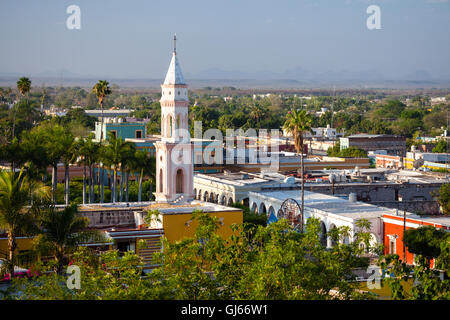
[195,193]
[331,242]
[199,195]
[206,196]
[211,197]
[230,202]
[223,199]
[254,207]
[323,233]
[271,210]
[179,181]
[262,208]
[373,241]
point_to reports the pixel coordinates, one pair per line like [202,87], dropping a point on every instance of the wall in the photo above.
[415,197]
[175,228]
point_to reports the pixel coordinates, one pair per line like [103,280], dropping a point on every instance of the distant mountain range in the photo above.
[291,78]
[301,74]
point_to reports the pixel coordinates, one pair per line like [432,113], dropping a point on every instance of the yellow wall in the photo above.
[22,244]
[175,224]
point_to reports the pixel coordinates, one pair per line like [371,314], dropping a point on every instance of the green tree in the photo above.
[101,90]
[145,166]
[62,231]
[444,198]
[425,241]
[298,122]
[16,217]
[441,147]
[24,86]
[115,152]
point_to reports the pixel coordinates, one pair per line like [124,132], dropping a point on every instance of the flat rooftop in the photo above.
[164,208]
[185,208]
[244,178]
[329,204]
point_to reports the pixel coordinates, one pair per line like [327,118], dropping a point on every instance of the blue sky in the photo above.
[134,38]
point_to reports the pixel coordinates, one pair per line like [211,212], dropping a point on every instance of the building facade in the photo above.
[394,145]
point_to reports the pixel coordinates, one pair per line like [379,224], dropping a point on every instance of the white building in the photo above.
[330,210]
[227,188]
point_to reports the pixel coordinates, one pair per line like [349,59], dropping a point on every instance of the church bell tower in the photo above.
[174,165]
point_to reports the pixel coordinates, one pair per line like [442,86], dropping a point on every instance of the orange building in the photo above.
[394,225]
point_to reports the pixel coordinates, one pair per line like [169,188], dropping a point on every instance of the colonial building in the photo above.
[395,224]
[174,165]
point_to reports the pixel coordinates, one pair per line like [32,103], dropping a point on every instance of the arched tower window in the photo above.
[169,122]
[179,181]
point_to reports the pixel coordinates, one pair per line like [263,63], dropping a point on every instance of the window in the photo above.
[138,134]
[392,246]
[114,132]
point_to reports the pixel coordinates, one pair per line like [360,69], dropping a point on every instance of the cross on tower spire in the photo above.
[175,43]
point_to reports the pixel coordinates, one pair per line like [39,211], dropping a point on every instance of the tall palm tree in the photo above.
[145,166]
[68,157]
[16,217]
[115,152]
[126,165]
[43,97]
[24,86]
[62,231]
[297,123]
[89,150]
[101,160]
[101,89]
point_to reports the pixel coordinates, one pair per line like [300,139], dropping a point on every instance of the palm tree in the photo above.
[297,123]
[256,113]
[57,143]
[62,231]
[16,217]
[68,157]
[115,153]
[145,166]
[101,159]
[24,86]
[89,150]
[101,89]
[126,165]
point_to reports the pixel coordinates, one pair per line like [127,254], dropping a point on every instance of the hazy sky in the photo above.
[134,38]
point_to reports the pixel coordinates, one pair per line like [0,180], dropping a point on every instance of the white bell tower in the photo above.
[174,167]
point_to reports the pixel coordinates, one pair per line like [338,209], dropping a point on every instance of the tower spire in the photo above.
[175,43]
